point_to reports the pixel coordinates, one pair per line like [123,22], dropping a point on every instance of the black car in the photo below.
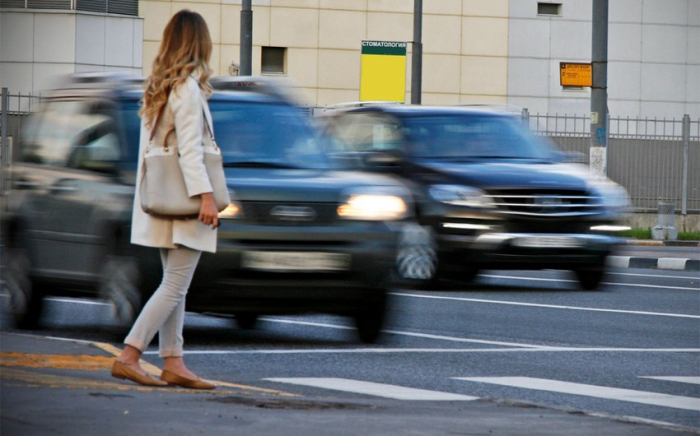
[488,193]
[300,236]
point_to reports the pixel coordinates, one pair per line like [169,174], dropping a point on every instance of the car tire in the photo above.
[369,320]
[590,278]
[247,321]
[25,295]
[417,257]
[120,282]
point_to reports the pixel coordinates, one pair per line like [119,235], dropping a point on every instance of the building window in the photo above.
[552,9]
[273,60]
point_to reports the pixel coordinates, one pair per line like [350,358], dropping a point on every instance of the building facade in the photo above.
[504,52]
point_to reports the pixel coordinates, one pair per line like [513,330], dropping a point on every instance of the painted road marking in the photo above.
[374,389]
[681,379]
[547,306]
[635,285]
[651,398]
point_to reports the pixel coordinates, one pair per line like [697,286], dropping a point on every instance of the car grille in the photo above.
[546,203]
[289,214]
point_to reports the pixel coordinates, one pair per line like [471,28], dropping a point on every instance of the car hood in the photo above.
[494,176]
[299,185]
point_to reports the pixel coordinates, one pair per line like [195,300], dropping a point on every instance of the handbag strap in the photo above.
[155,126]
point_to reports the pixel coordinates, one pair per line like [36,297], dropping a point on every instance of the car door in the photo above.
[76,148]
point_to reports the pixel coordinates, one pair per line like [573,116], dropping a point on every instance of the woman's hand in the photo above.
[208,212]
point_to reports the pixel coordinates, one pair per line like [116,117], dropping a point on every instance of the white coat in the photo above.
[182,125]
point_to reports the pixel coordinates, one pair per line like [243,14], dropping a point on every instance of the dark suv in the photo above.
[488,194]
[299,236]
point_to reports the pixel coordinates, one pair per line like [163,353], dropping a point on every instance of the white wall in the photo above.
[653,57]
[36,47]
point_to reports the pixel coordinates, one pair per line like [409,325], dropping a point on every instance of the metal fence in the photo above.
[656,160]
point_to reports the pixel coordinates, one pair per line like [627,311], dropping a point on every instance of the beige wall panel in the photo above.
[334,96]
[486,8]
[391,5]
[484,76]
[389,27]
[482,99]
[485,36]
[348,5]
[46,76]
[442,34]
[150,49]
[228,53]
[156,15]
[313,4]
[442,7]
[428,98]
[261,26]
[293,27]
[302,66]
[342,29]
[211,13]
[18,77]
[231,24]
[441,73]
[216,60]
[339,69]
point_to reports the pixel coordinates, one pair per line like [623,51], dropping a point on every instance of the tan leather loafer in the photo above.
[123,371]
[173,379]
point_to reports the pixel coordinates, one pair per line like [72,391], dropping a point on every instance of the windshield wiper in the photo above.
[258,164]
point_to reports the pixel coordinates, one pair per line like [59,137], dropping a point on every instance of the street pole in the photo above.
[246,68]
[417,58]
[599,90]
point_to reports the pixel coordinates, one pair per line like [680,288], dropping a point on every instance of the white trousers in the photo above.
[165,310]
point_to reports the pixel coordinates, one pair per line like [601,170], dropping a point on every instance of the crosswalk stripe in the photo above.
[652,398]
[376,389]
[692,380]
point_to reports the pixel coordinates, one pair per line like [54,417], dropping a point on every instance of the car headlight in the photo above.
[460,196]
[234,210]
[611,196]
[375,204]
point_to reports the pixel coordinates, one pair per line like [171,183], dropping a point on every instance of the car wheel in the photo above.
[26,297]
[369,320]
[247,321]
[120,281]
[590,278]
[417,259]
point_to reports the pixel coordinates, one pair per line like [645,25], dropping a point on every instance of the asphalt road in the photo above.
[629,351]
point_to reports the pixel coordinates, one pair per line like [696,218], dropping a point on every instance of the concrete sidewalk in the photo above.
[62,387]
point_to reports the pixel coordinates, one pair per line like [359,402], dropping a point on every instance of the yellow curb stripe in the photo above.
[36,379]
[58,361]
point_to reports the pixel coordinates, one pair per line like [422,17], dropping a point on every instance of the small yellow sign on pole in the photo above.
[575,74]
[383,72]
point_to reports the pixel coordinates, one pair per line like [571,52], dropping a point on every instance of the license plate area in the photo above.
[286,261]
[552,241]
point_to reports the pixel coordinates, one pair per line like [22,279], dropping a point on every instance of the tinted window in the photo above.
[469,136]
[266,133]
[66,133]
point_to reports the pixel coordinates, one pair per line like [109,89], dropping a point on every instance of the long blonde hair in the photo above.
[185,49]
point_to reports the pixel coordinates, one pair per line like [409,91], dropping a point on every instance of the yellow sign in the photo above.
[383,73]
[575,74]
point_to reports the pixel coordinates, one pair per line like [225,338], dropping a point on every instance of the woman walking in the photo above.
[175,113]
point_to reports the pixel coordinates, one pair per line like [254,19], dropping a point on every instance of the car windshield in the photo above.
[261,135]
[472,137]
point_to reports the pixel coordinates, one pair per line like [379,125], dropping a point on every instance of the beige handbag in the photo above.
[162,187]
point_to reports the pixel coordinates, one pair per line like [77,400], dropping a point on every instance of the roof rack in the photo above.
[274,86]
